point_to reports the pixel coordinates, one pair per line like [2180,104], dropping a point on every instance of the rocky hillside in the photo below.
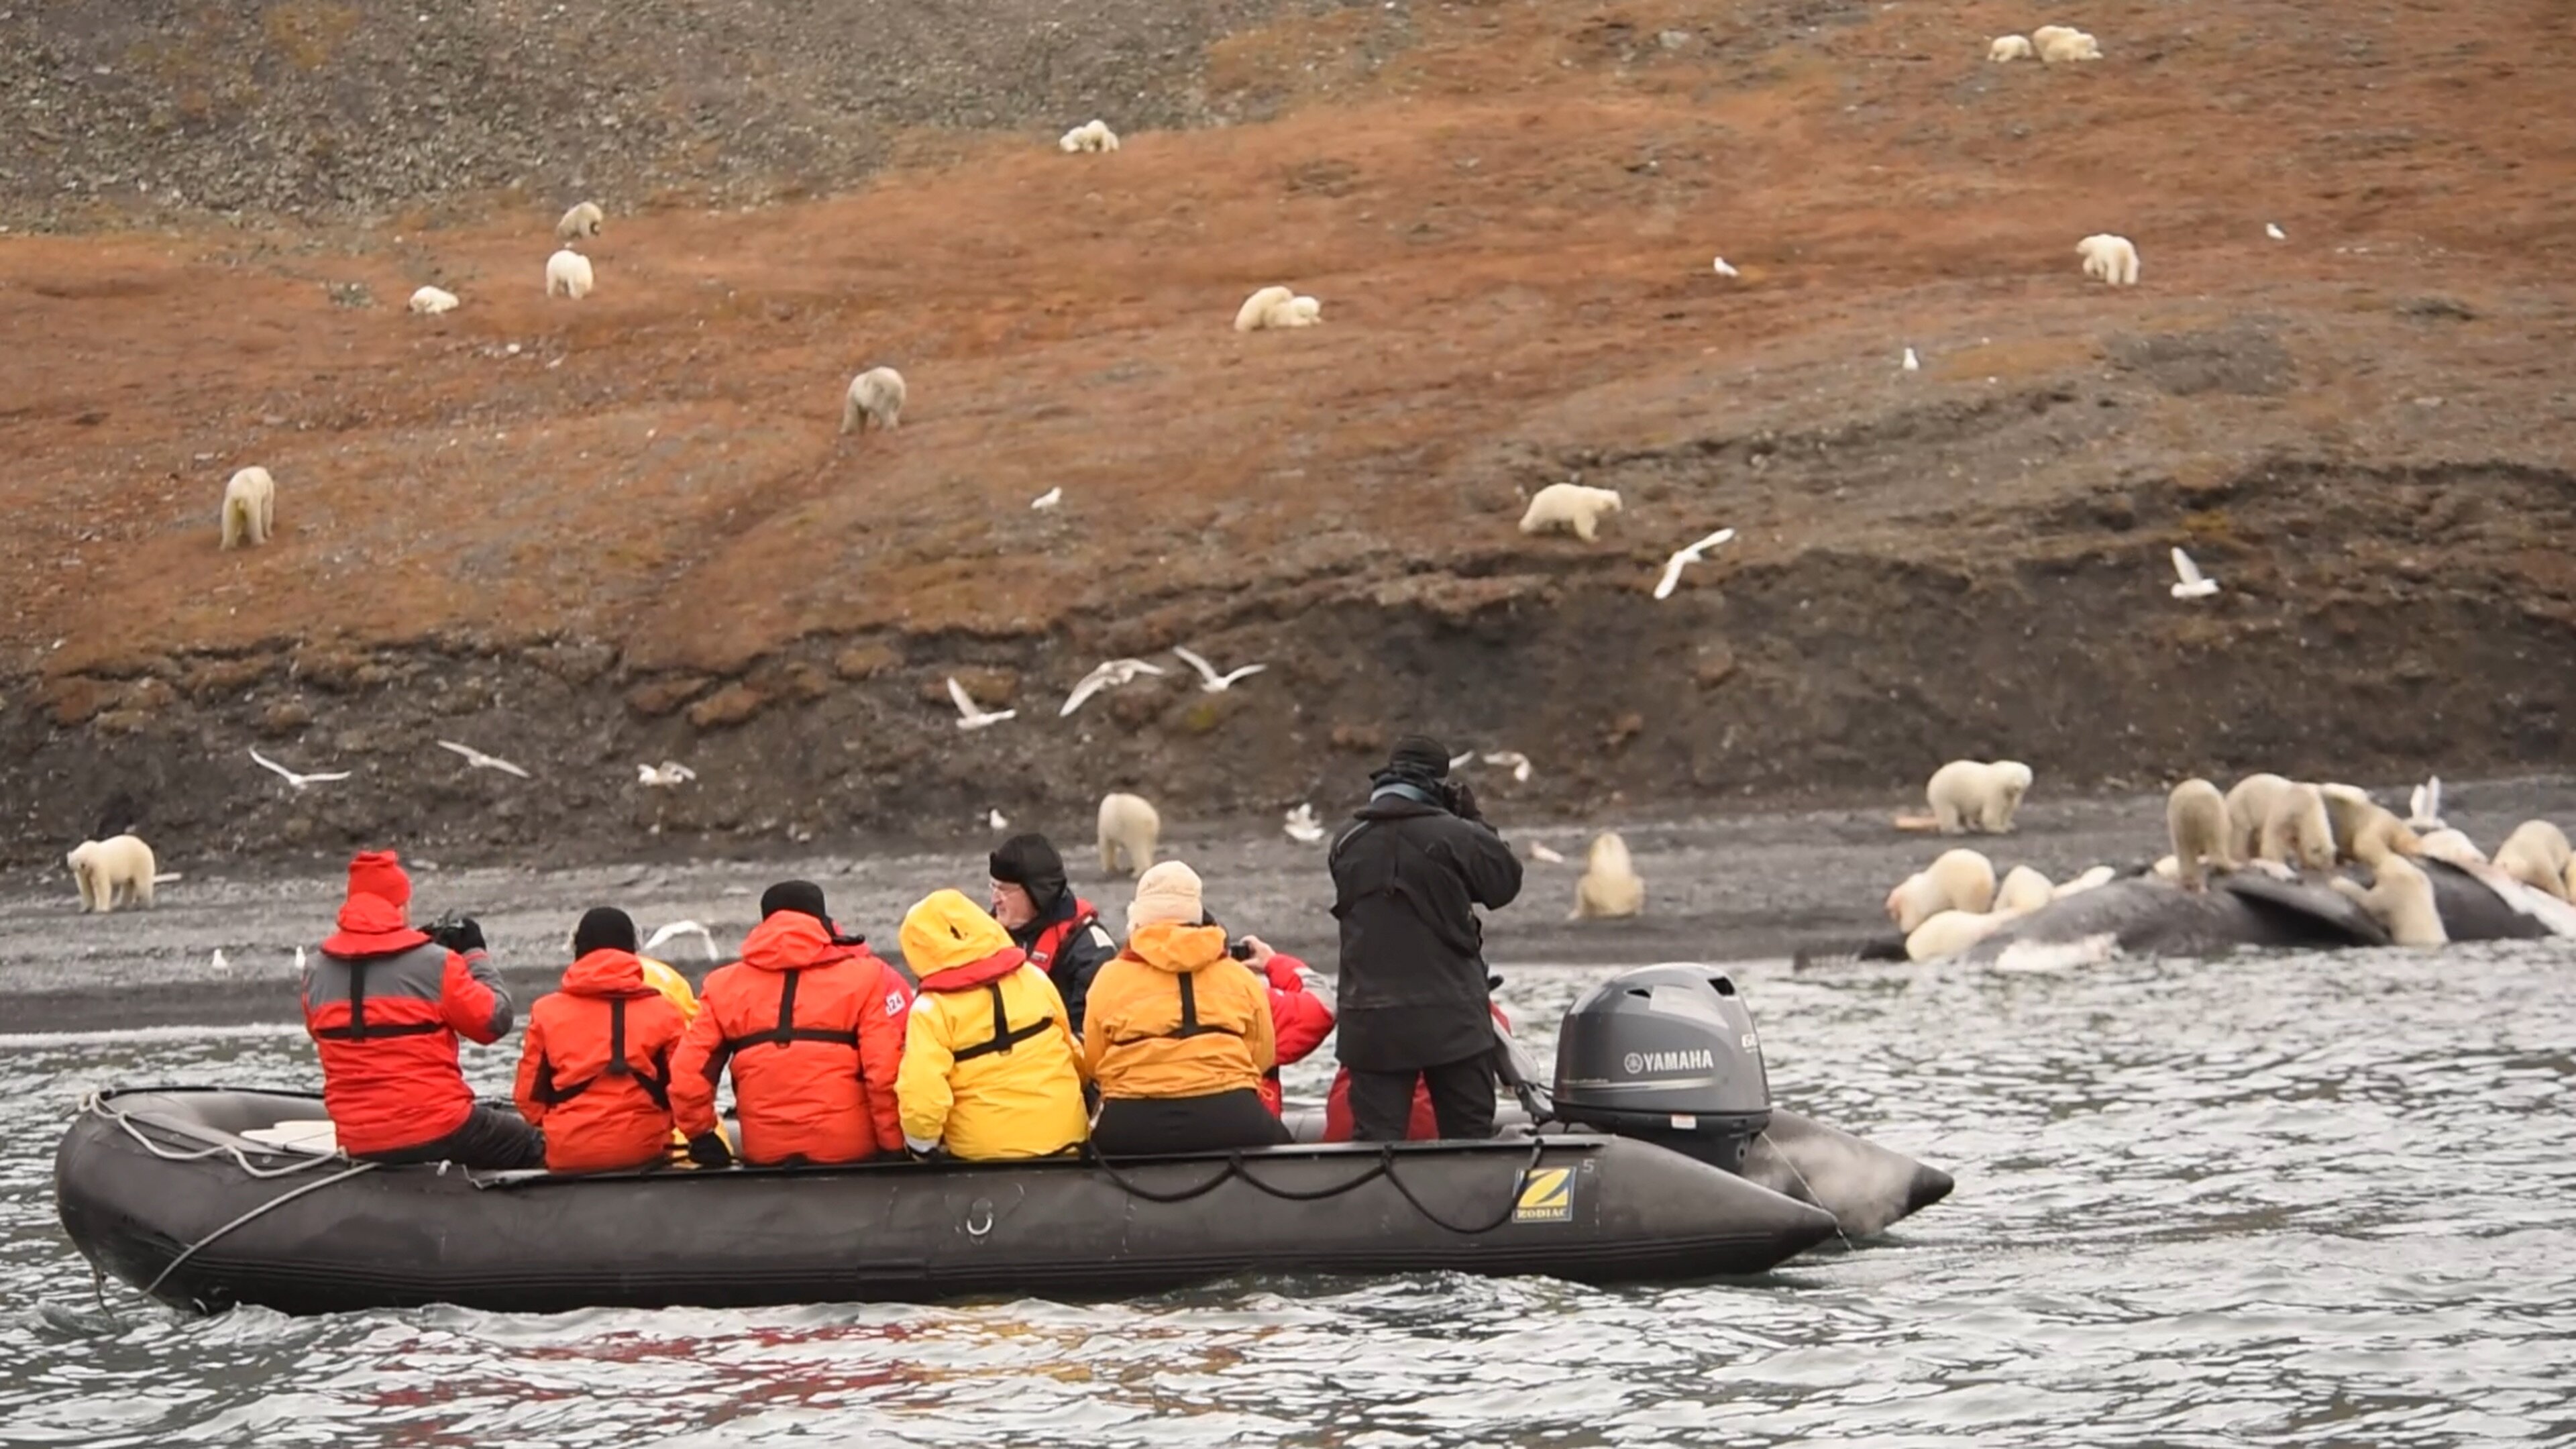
[585,535]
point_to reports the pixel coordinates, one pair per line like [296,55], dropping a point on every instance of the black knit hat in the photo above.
[1420,753]
[795,895]
[603,928]
[1031,863]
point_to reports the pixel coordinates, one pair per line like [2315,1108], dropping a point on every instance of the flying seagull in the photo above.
[1519,763]
[1673,566]
[1210,680]
[1301,825]
[482,761]
[1108,676]
[970,715]
[294,779]
[2424,807]
[677,929]
[1048,499]
[2195,584]
[665,775]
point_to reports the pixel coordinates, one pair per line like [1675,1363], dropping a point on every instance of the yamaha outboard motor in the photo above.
[1668,1055]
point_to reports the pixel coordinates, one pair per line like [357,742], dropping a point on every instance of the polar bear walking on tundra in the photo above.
[2108,258]
[1569,508]
[2009,47]
[875,396]
[250,507]
[583,220]
[2059,44]
[1970,795]
[103,869]
[568,275]
[1129,828]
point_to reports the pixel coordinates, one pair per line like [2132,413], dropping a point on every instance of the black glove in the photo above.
[457,933]
[1462,802]
[708,1149]
[935,1154]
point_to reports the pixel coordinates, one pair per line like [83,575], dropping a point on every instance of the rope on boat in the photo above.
[1235,1168]
[305,1161]
[1764,1136]
[279,1201]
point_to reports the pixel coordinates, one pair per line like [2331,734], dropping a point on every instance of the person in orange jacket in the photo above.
[1299,1019]
[596,1070]
[812,1024]
[1178,1034]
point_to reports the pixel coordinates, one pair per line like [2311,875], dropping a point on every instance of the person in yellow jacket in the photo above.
[989,1065]
[665,978]
[1177,1033]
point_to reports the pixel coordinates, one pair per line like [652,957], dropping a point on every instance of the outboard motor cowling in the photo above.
[1668,1055]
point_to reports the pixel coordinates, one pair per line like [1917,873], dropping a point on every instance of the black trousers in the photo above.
[491,1138]
[1131,1126]
[1462,1100]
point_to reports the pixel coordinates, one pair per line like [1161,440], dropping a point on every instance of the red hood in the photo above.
[792,941]
[976,973]
[372,926]
[607,972]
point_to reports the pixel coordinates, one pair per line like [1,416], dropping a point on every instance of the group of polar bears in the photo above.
[2052,44]
[1955,902]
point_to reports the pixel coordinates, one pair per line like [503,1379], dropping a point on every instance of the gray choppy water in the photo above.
[2322,1200]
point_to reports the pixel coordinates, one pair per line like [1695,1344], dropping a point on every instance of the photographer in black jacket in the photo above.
[1407,877]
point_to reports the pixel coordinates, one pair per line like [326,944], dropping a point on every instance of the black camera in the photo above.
[1241,950]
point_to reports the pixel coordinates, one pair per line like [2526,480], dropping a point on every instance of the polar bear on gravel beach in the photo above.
[1957,880]
[1129,828]
[1610,887]
[1569,508]
[1970,795]
[104,868]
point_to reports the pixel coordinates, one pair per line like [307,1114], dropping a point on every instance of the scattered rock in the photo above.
[730,705]
[864,661]
[655,698]
[285,717]
[1362,739]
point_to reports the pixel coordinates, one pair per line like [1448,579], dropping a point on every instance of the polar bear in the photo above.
[250,507]
[2378,835]
[568,275]
[430,301]
[1093,135]
[103,868]
[2451,845]
[875,396]
[2009,47]
[2024,890]
[2347,806]
[1947,933]
[1569,508]
[583,220]
[1128,830]
[1970,795]
[2196,824]
[2296,831]
[1610,887]
[2536,854]
[1957,880]
[2400,897]
[2058,44]
[2248,801]
[1254,314]
[2113,259]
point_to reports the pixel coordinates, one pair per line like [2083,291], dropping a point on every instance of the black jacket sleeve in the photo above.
[1493,872]
[1085,952]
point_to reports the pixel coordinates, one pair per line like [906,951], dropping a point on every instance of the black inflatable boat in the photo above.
[1657,1156]
[161,1189]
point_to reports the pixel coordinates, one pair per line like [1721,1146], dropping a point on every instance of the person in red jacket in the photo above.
[1422,1126]
[595,1073]
[1299,1019]
[812,1024]
[384,1005]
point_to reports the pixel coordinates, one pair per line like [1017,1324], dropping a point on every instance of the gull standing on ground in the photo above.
[1518,762]
[294,779]
[1724,270]
[2195,584]
[997,820]
[970,715]
[677,929]
[1048,499]
[1541,852]
[2273,230]
[1460,762]
[1108,676]
[665,775]
[1912,362]
[482,761]
[299,961]
[1210,680]
[1301,825]
[2424,807]
[1673,566]
[219,963]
